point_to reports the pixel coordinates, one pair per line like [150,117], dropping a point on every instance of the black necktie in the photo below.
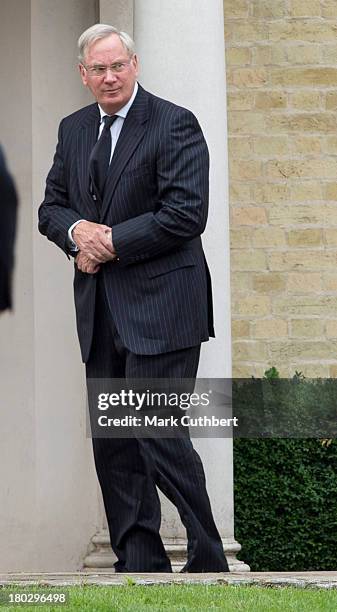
[100,155]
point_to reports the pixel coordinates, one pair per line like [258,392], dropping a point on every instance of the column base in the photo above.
[102,557]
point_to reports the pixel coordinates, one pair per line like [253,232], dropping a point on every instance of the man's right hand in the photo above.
[94,241]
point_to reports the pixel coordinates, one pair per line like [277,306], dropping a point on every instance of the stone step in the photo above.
[326,580]
[102,557]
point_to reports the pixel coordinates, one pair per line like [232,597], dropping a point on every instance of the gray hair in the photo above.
[101,30]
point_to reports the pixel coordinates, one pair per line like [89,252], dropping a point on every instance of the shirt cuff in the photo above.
[72,245]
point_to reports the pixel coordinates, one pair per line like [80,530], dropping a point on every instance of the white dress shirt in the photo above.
[115,131]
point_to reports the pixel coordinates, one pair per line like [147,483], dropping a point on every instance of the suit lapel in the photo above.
[132,133]
[87,137]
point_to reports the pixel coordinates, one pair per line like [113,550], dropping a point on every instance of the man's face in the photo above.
[112,90]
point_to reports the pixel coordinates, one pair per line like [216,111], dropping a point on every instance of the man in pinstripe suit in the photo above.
[142,287]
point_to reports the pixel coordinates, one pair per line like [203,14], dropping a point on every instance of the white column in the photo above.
[118,13]
[66,485]
[48,495]
[181,48]
[17,431]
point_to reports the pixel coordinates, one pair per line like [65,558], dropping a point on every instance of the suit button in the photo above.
[94,197]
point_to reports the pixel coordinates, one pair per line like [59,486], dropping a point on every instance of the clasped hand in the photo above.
[94,241]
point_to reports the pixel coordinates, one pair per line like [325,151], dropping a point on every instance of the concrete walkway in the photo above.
[298,579]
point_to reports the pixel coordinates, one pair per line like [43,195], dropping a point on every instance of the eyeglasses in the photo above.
[99,70]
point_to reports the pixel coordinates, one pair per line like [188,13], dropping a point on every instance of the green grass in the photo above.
[182,598]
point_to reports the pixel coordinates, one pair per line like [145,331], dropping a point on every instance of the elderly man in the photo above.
[127,195]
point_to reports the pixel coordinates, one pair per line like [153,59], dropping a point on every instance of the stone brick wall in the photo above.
[281,58]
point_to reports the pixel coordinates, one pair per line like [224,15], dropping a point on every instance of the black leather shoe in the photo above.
[204,571]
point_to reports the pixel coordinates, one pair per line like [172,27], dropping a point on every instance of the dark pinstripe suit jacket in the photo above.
[156,201]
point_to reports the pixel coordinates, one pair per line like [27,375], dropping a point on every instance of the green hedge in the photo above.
[285,496]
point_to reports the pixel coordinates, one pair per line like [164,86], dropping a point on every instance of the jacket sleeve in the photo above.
[55,214]
[182,168]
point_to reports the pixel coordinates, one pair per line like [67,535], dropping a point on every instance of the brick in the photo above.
[236,9]
[329,53]
[247,77]
[243,371]
[329,215]
[329,9]
[305,100]
[239,147]
[306,328]
[266,55]
[302,350]
[270,328]
[239,192]
[305,145]
[240,169]
[248,260]
[298,122]
[330,237]
[268,283]
[329,282]
[229,30]
[317,76]
[241,281]
[303,282]
[329,165]
[306,190]
[238,56]
[249,351]
[248,31]
[302,168]
[270,145]
[295,214]
[240,328]
[268,237]
[305,8]
[279,169]
[305,305]
[268,9]
[303,260]
[252,305]
[330,191]
[240,122]
[329,145]
[331,100]
[243,100]
[307,31]
[331,328]
[270,99]
[305,238]
[240,238]
[248,215]
[313,370]
[269,192]
[332,371]
[303,54]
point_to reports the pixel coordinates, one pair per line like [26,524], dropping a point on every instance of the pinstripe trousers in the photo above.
[129,469]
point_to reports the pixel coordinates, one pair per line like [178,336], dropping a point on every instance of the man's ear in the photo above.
[83,74]
[135,64]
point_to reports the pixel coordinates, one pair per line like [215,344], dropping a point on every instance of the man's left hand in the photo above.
[85,264]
